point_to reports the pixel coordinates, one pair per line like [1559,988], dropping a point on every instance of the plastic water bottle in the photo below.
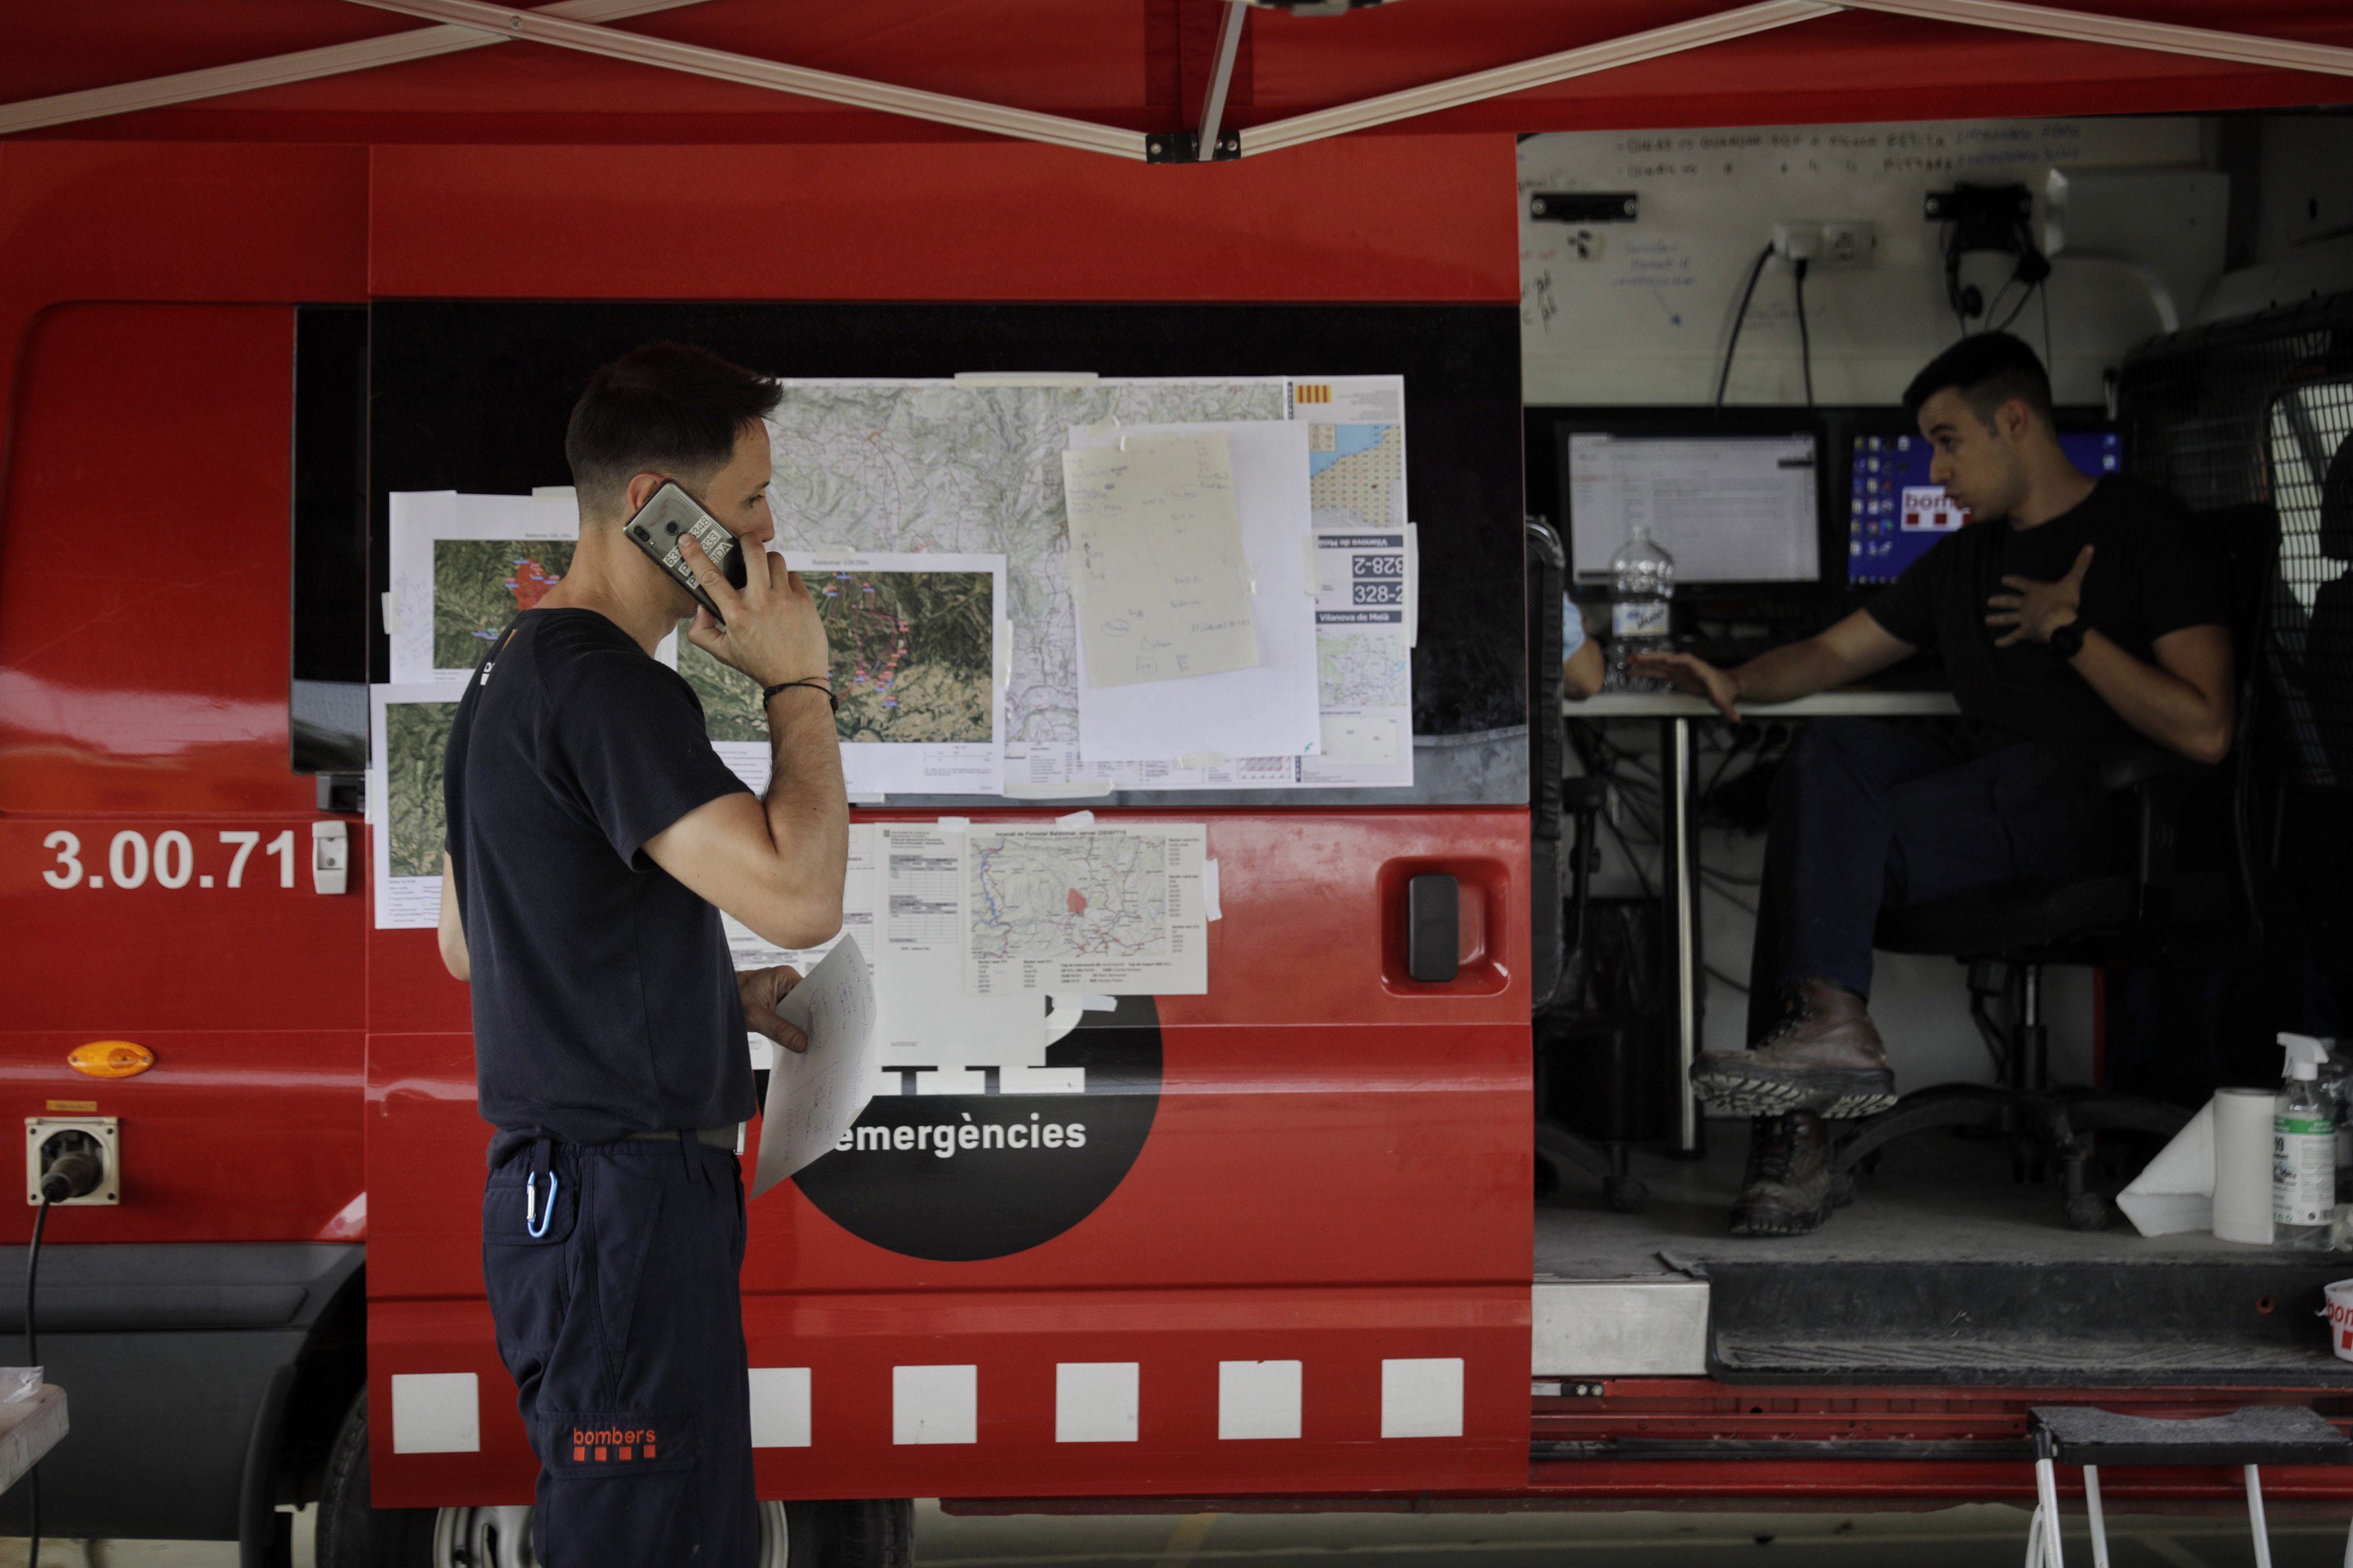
[1641,576]
[2304,1151]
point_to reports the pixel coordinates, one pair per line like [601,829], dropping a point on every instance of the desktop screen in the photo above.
[1895,514]
[1728,507]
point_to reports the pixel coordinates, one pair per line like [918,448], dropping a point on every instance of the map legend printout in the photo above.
[1111,910]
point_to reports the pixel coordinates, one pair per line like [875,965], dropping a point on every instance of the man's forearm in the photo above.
[808,804]
[1786,674]
[2162,706]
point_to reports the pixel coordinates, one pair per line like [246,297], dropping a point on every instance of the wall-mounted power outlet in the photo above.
[1848,244]
[49,1138]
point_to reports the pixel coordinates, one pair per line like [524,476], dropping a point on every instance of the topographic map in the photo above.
[913,655]
[1068,895]
[935,466]
[1362,670]
[1357,471]
[480,584]
[416,735]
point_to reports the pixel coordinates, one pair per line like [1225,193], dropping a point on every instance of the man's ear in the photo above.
[641,490]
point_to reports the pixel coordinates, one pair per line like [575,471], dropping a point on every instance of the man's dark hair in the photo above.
[1987,369]
[665,408]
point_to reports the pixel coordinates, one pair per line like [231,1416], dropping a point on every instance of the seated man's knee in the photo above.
[1821,745]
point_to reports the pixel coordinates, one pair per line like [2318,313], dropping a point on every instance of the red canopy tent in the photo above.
[377,72]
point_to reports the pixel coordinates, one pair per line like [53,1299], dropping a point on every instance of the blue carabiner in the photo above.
[534,1223]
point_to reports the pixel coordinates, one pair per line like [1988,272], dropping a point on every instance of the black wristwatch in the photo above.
[2067,641]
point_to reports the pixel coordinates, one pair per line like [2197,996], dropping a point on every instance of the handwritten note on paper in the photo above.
[815,1095]
[1157,567]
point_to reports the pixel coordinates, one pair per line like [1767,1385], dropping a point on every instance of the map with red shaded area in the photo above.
[1068,895]
[480,584]
[531,582]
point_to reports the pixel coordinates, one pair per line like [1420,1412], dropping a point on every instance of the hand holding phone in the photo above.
[769,629]
[666,522]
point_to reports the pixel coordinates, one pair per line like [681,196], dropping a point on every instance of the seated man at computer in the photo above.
[2074,615]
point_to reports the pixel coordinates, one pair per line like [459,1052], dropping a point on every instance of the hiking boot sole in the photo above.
[1770,1219]
[1777,1221]
[1833,1094]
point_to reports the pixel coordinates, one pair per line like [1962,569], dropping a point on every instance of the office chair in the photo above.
[2007,936]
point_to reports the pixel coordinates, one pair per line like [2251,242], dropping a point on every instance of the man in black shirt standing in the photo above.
[2074,616]
[595,837]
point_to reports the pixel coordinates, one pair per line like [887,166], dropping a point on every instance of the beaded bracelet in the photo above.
[813,682]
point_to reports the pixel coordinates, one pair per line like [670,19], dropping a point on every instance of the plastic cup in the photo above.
[2339,1313]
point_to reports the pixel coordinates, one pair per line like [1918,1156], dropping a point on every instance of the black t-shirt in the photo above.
[605,996]
[2153,572]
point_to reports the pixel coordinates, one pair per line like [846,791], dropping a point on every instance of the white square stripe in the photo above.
[934,1405]
[436,1413]
[780,1407]
[1422,1398]
[1095,1402]
[1257,1399]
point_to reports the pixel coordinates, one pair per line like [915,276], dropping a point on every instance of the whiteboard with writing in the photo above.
[1640,313]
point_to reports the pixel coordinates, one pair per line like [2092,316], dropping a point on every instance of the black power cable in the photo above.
[1747,292]
[1804,339]
[33,1359]
[69,1175]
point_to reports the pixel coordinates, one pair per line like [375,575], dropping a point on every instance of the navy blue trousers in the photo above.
[622,1325]
[1868,815]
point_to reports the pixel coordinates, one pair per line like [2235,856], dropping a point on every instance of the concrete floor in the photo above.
[1977,1536]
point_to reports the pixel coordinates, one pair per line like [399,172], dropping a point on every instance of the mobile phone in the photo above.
[669,518]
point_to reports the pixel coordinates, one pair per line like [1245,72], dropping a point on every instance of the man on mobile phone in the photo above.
[595,837]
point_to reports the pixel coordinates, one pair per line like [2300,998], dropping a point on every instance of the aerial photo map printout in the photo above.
[919,661]
[408,734]
[481,584]
[462,568]
[1114,910]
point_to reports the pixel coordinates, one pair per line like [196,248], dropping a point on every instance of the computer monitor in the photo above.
[1739,506]
[1896,512]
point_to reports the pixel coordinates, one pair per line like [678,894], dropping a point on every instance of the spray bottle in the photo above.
[2304,1151]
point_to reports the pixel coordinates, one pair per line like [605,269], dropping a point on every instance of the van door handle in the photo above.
[1433,904]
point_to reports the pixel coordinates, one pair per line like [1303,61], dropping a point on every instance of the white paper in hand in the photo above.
[815,1095]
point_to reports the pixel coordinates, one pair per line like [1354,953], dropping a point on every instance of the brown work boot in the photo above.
[1789,1189]
[1825,1058]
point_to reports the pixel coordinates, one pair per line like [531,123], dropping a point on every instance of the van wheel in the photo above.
[870,1533]
[874,1532]
[354,1534]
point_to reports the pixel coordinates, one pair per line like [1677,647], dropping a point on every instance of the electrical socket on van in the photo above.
[1820,244]
[49,1139]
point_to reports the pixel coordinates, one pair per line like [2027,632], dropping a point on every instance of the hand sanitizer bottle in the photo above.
[1642,579]
[2304,1151]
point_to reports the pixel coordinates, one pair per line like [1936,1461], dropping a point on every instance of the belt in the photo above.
[708,1137]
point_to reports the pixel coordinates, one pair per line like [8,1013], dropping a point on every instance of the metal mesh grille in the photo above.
[2251,424]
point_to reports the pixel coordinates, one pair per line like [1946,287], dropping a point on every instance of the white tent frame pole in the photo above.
[1584,61]
[2124,32]
[306,65]
[719,64]
[1221,76]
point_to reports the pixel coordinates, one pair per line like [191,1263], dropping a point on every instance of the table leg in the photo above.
[1679,895]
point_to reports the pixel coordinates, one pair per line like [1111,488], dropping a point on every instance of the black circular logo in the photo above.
[960,1177]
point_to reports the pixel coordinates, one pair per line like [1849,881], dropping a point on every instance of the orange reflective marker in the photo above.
[110,1058]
